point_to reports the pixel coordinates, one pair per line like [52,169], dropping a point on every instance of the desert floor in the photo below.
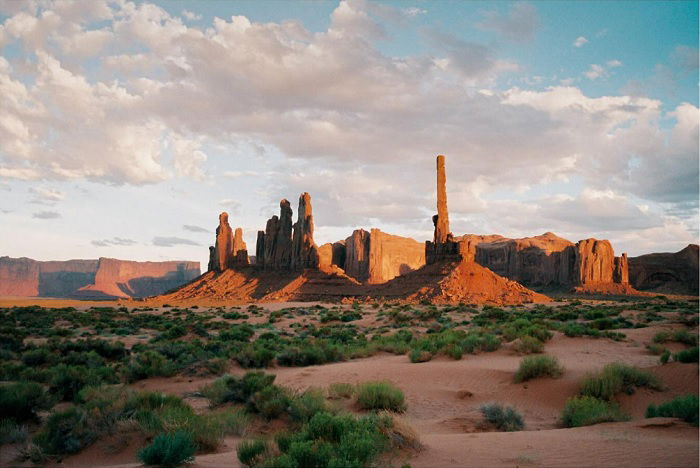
[444,397]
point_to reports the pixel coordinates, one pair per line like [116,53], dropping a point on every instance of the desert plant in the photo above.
[271,402]
[665,356]
[687,355]
[230,388]
[67,431]
[538,366]
[11,432]
[615,378]
[304,406]
[250,452]
[527,345]
[683,407]
[380,396]
[169,450]
[504,418]
[21,400]
[340,390]
[588,410]
[417,355]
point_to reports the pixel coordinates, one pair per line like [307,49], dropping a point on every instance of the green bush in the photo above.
[417,355]
[687,355]
[271,402]
[615,378]
[230,388]
[665,356]
[67,381]
[532,367]
[250,452]
[11,432]
[149,364]
[67,431]
[683,407]
[169,450]
[304,406]
[685,337]
[20,401]
[380,396]
[528,345]
[504,418]
[588,410]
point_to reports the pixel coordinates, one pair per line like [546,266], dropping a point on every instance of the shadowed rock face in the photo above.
[304,250]
[443,246]
[103,278]
[674,273]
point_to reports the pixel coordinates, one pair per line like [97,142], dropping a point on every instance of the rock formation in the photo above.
[283,246]
[443,246]
[332,256]
[304,250]
[103,278]
[230,251]
[671,273]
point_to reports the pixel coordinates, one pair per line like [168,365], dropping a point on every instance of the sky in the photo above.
[127,127]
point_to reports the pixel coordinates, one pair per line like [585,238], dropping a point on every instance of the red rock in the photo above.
[442,222]
[103,278]
[304,250]
[670,273]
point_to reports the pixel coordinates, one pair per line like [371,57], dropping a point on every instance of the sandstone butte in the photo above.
[478,269]
[104,278]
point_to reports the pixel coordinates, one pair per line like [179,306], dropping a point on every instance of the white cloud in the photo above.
[613,63]
[596,71]
[414,11]
[580,41]
[45,195]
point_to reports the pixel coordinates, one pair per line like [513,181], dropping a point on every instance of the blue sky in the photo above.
[126,128]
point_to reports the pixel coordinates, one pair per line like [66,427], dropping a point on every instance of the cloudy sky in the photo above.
[125,128]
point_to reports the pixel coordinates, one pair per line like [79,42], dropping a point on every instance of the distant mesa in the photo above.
[668,273]
[105,278]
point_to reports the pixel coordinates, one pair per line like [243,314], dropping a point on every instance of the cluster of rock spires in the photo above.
[375,258]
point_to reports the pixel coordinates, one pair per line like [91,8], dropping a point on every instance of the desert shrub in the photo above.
[20,401]
[304,406]
[683,407]
[523,327]
[11,432]
[687,355]
[255,357]
[250,452]
[66,381]
[169,450]
[340,390]
[532,367]
[504,418]
[665,356]
[380,396]
[417,355]
[149,364]
[67,431]
[528,345]
[656,349]
[587,410]
[271,402]
[615,378]
[37,357]
[685,337]
[230,388]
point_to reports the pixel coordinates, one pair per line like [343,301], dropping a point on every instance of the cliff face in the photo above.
[551,261]
[101,278]
[674,273]
[374,257]
[230,250]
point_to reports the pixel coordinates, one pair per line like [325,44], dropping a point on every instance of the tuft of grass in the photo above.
[532,367]
[304,406]
[380,396]
[339,390]
[251,452]
[417,355]
[587,410]
[665,356]
[683,407]
[67,431]
[230,388]
[11,432]
[505,418]
[528,345]
[615,378]
[169,450]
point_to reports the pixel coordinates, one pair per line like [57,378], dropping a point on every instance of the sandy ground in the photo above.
[444,397]
[445,419]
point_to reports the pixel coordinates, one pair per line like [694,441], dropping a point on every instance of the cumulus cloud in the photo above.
[596,71]
[46,215]
[519,24]
[115,241]
[172,241]
[580,41]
